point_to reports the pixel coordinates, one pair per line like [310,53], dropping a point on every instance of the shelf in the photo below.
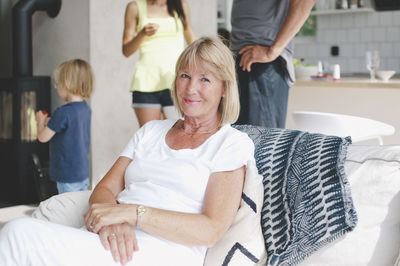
[342,11]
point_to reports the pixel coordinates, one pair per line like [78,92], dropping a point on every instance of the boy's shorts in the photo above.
[70,187]
[154,100]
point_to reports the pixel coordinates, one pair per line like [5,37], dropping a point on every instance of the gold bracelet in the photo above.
[140,211]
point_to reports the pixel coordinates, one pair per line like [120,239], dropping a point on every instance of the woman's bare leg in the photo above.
[145,115]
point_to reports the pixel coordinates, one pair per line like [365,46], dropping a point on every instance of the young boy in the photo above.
[68,130]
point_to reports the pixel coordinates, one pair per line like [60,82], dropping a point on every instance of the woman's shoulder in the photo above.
[235,150]
[152,132]
[132,7]
[157,126]
[236,134]
[231,137]
[184,4]
[132,4]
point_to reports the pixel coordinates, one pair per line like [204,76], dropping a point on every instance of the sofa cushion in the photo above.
[243,243]
[67,208]
[307,201]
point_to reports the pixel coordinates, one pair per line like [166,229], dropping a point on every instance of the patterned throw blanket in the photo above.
[307,201]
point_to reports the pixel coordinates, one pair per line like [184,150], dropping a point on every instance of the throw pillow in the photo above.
[243,243]
[67,208]
[307,201]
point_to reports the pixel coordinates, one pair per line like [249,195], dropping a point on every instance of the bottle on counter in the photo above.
[345,4]
[320,69]
[336,72]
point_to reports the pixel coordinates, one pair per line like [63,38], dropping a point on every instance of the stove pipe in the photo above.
[22,32]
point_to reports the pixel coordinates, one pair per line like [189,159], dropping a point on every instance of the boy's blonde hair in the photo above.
[76,76]
[215,53]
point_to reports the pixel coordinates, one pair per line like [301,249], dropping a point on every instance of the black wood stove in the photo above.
[20,97]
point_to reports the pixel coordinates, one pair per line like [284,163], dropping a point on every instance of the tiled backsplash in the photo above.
[354,34]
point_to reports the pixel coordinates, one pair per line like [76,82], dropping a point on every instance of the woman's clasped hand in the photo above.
[114,222]
[102,214]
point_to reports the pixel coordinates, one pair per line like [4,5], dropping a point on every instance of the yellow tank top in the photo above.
[155,69]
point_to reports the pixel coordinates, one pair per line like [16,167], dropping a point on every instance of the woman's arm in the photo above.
[119,238]
[107,189]
[221,203]
[130,42]
[188,32]
[105,193]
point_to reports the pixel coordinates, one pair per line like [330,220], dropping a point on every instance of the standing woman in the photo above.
[158,29]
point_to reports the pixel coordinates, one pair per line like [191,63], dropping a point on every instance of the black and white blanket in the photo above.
[307,201]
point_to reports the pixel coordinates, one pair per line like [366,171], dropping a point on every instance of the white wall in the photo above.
[113,122]
[58,39]
[355,33]
[204,17]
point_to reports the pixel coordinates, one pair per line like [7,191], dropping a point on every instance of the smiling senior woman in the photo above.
[174,190]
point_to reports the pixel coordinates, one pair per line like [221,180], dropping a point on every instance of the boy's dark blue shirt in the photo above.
[69,147]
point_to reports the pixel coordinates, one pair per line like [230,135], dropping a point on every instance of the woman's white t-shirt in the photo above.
[164,178]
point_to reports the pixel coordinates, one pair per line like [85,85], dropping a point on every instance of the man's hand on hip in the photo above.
[256,54]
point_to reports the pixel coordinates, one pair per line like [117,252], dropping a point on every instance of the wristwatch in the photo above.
[140,211]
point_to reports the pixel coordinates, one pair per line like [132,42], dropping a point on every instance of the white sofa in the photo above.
[374,176]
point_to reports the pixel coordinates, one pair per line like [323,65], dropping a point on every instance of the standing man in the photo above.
[262,31]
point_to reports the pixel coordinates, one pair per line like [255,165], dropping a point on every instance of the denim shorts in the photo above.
[154,100]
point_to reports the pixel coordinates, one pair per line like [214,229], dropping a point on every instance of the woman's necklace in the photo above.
[182,127]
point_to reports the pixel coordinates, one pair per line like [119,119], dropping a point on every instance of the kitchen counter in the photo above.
[354,81]
[352,95]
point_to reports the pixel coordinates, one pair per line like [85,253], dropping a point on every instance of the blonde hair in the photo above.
[215,53]
[76,76]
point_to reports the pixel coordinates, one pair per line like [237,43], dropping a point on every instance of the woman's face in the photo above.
[199,92]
